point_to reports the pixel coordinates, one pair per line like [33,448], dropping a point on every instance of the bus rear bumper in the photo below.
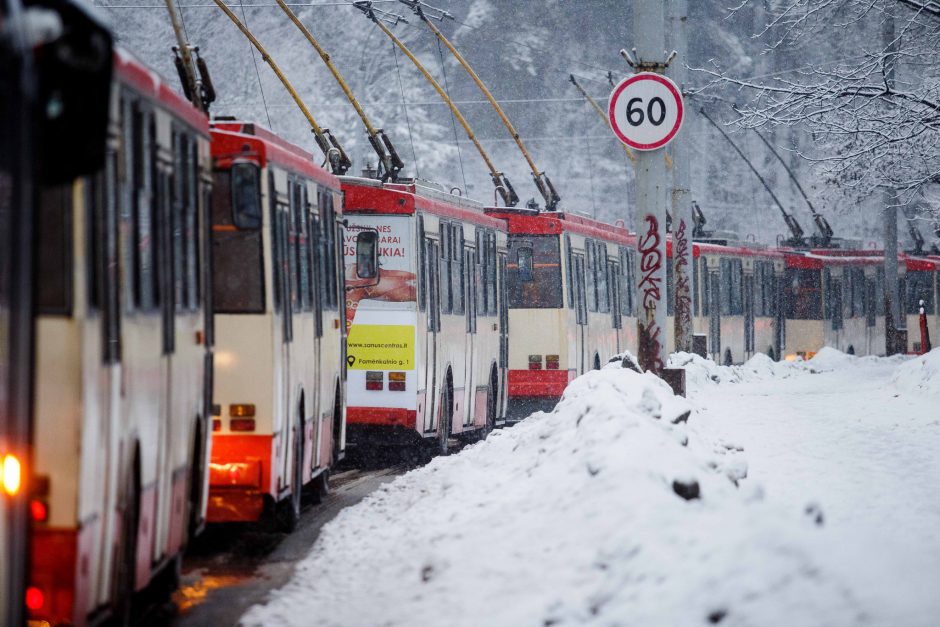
[239,475]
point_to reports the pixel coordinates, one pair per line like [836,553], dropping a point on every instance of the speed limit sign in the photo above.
[646,111]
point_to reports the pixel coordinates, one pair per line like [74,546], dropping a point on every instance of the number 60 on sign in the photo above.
[646,111]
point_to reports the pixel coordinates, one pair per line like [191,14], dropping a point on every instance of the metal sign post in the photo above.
[682,225]
[646,112]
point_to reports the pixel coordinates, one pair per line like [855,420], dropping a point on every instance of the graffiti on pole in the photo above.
[683,280]
[650,287]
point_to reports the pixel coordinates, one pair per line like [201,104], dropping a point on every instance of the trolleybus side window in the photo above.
[706,287]
[919,287]
[696,297]
[600,279]
[628,263]
[802,294]
[457,269]
[237,255]
[579,291]
[141,153]
[569,279]
[432,269]
[53,293]
[591,290]
[490,275]
[291,219]
[472,287]
[836,299]
[422,265]
[445,265]
[869,302]
[616,290]
[305,250]
[111,298]
[191,243]
[328,249]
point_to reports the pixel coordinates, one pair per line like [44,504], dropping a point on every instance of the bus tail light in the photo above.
[535,362]
[396,381]
[216,424]
[34,598]
[241,424]
[38,511]
[241,410]
[552,362]
[375,380]
[12,474]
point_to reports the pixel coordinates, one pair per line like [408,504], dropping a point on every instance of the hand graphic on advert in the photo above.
[396,286]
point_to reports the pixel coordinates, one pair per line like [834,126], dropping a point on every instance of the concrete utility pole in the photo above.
[682,259]
[650,54]
[893,320]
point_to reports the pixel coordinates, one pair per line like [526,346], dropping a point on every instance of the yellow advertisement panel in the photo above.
[381,347]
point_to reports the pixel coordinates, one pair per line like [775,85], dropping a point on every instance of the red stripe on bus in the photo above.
[389,416]
[538,383]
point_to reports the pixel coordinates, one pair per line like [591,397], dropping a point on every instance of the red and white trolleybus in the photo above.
[277,286]
[428,325]
[119,432]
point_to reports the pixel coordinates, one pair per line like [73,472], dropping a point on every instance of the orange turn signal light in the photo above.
[242,410]
[12,474]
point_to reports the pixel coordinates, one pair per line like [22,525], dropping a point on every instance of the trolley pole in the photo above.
[650,53]
[682,259]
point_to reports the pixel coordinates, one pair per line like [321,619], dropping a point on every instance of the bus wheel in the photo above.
[728,359]
[771,354]
[288,510]
[443,426]
[491,400]
[126,571]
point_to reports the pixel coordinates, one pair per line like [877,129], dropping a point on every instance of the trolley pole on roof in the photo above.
[334,153]
[682,224]
[390,164]
[503,187]
[541,180]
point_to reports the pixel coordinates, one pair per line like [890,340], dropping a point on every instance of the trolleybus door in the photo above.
[580,331]
[432,271]
[748,315]
[503,333]
[283,411]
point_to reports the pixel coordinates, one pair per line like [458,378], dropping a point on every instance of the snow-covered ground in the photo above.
[794,494]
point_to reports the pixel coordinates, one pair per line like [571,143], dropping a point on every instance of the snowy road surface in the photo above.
[794,494]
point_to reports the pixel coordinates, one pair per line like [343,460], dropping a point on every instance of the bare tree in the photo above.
[869,103]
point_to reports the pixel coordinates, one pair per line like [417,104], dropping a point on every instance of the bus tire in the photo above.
[288,510]
[728,360]
[196,483]
[447,410]
[491,400]
[125,576]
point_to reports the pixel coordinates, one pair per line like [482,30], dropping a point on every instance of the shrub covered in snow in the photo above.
[612,510]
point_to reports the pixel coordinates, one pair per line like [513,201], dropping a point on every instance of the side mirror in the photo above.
[75,67]
[367,255]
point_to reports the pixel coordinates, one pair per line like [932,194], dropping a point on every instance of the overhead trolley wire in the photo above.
[453,119]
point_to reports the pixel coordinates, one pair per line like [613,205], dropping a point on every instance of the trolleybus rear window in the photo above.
[534,271]
[237,257]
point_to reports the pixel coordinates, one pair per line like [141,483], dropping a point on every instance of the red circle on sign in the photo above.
[646,76]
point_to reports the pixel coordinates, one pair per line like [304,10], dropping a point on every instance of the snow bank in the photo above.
[700,372]
[569,518]
[920,375]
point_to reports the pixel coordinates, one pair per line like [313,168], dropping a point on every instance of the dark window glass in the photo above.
[245,195]
[696,295]
[706,288]
[569,271]
[603,292]
[591,286]
[920,284]
[366,254]
[670,288]
[490,277]
[237,255]
[457,270]
[628,278]
[837,304]
[53,284]
[616,289]
[802,294]
[422,266]
[534,270]
[580,295]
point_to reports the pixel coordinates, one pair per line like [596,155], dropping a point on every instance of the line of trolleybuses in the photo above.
[218,320]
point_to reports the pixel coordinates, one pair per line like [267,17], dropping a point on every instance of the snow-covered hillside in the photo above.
[791,494]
